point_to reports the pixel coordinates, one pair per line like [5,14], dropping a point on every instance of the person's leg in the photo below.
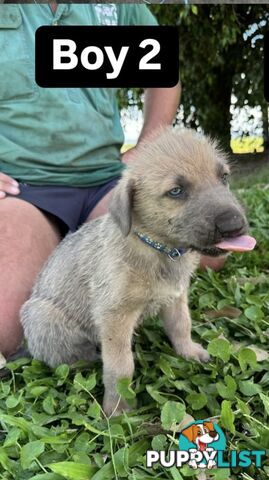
[101,208]
[27,237]
[215,263]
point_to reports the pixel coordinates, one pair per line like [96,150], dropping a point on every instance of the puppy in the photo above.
[171,205]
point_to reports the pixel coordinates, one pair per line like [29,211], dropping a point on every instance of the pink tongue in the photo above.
[243,243]
[202,445]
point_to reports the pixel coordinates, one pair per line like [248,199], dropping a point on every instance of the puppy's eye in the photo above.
[175,192]
[225,178]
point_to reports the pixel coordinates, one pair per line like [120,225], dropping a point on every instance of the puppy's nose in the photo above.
[213,434]
[230,224]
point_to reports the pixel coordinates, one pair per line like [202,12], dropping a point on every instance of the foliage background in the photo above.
[52,423]
[221,52]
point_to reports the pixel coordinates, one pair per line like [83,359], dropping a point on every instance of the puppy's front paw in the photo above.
[114,406]
[193,351]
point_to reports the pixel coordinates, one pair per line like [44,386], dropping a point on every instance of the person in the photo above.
[59,148]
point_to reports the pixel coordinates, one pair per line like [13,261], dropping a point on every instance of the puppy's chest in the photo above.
[161,299]
[158,292]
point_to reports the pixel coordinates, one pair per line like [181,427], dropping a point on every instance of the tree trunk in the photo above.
[216,121]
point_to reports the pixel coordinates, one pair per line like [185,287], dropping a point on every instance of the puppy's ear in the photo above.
[121,205]
[210,426]
[189,433]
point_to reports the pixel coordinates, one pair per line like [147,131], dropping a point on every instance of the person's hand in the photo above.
[8,185]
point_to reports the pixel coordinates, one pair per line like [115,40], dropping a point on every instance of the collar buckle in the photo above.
[174,254]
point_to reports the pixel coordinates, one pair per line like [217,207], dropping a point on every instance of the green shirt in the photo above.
[60,136]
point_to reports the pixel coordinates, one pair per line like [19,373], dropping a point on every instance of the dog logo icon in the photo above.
[201,434]
[202,439]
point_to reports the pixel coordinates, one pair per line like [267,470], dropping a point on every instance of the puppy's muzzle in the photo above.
[230,223]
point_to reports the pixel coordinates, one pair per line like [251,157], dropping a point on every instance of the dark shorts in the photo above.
[69,205]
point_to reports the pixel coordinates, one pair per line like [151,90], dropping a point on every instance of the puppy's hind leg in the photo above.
[177,325]
[50,337]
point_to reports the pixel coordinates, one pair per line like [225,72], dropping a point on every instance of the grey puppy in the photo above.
[171,205]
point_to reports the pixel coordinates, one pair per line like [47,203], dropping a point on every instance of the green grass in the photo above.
[53,427]
[258,176]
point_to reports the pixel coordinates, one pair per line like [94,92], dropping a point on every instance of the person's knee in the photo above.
[213,263]
[24,228]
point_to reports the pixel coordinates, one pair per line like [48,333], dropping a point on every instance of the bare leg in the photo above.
[177,324]
[27,237]
[101,208]
[215,263]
